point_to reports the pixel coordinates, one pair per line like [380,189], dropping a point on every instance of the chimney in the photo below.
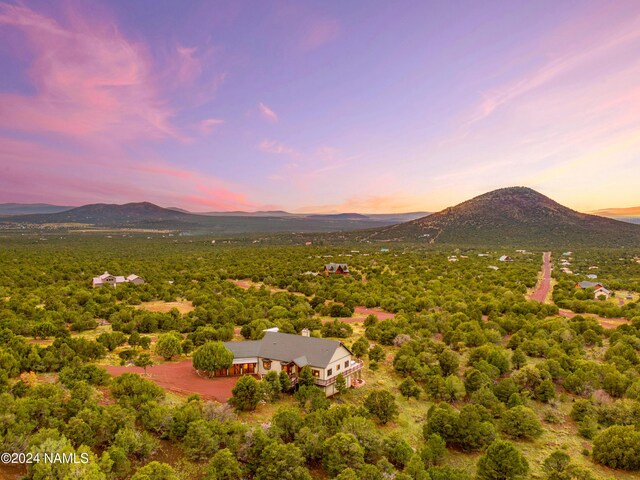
[305,332]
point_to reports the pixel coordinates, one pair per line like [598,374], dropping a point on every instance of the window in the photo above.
[346,364]
[266,364]
[329,372]
[338,367]
[316,373]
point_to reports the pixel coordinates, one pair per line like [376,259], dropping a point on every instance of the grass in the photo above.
[183,306]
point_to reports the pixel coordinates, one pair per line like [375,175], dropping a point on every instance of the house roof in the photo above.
[286,347]
[132,277]
[105,275]
[332,267]
[586,284]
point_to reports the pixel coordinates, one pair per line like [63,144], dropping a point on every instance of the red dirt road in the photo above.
[541,292]
[181,378]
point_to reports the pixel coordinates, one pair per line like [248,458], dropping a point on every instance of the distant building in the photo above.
[587,284]
[505,258]
[283,352]
[493,267]
[592,276]
[114,280]
[384,250]
[336,268]
[599,292]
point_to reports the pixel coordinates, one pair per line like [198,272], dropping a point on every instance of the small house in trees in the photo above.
[284,352]
[586,284]
[601,292]
[114,280]
[505,258]
[336,269]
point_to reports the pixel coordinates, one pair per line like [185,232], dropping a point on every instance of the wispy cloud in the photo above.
[277,148]
[89,80]
[267,113]
[319,33]
[208,125]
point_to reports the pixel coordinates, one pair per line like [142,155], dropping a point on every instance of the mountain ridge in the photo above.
[512,215]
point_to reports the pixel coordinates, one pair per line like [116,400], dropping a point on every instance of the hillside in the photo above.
[149,216]
[30,208]
[516,215]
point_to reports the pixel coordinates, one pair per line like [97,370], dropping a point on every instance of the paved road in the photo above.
[541,292]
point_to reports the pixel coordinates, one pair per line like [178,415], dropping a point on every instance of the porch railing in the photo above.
[354,367]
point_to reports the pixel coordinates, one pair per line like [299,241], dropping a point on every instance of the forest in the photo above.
[465,377]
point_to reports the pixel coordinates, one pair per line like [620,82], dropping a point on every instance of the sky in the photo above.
[306,106]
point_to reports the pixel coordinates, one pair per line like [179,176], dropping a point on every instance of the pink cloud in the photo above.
[208,125]
[267,113]
[319,33]
[89,81]
[277,148]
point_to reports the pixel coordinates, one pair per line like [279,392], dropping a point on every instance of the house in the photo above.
[336,268]
[135,279]
[591,276]
[493,267]
[383,250]
[284,352]
[114,280]
[601,292]
[585,284]
[505,258]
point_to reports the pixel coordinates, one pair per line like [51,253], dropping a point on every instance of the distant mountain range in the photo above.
[28,208]
[629,214]
[516,215]
[149,216]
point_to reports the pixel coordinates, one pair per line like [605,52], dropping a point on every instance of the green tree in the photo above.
[169,345]
[382,404]
[246,393]
[341,384]
[409,388]
[306,377]
[618,447]
[518,359]
[155,471]
[223,466]
[143,361]
[376,354]
[211,357]
[502,461]
[342,451]
[521,422]
[282,462]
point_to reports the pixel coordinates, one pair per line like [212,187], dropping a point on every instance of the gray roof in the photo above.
[286,347]
[588,284]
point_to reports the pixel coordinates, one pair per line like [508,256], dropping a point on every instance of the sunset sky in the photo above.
[324,106]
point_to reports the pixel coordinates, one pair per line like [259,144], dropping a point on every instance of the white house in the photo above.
[505,258]
[114,280]
[283,352]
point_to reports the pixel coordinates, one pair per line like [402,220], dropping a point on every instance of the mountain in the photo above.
[107,214]
[29,208]
[339,216]
[149,216]
[513,216]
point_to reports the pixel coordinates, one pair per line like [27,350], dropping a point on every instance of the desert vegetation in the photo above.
[466,379]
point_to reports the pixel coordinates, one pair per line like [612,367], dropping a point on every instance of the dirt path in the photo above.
[181,378]
[542,290]
[605,322]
